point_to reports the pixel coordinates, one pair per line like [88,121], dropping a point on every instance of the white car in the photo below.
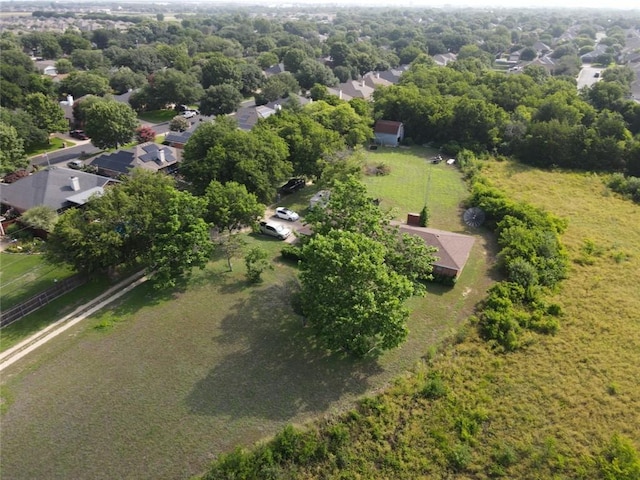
[274,230]
[286,214]
[189,114]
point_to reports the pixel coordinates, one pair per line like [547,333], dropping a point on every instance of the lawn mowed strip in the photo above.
[163,382]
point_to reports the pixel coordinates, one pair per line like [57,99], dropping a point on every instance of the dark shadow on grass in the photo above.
[280,372]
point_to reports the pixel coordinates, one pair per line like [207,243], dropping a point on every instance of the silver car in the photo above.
[286,214]
[274,230]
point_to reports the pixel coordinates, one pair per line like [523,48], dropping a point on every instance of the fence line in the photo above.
[40,300]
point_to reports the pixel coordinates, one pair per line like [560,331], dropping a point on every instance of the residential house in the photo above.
[247,117]
[453,248]
[178,139]
[443,59]
[56,187]
[149,156]
[274,69]
[387,132]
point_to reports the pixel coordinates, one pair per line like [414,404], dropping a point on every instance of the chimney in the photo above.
[75,184]
[70,100]
[161,155]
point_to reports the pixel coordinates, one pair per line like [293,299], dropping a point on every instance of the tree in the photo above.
[218,151]
[166,87]
[63,66]
[145,134]
[179,124]
[143,222]
[110,124]
[125,79]
[220,100]
[257,262]
[25,126]
[231,207]
[80,84]
[89,59]
[252,78]
[40,217]
[353,301]
[46,112]
[232,245]
[12,155]
[424,216]
[311,72]
[220,69]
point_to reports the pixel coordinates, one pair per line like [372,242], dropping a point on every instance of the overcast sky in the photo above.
[617,4]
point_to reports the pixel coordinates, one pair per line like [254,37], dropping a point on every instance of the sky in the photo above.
[608,4]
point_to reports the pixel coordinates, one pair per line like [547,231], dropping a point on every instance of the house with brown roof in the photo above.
[388,132]
[453,248]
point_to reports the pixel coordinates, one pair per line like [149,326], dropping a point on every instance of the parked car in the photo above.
[293,185]
[286,214]
[79,134]
[75,164]
[274,230]
[189,113]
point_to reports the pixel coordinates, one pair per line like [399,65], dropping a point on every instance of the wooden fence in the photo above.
[43,298]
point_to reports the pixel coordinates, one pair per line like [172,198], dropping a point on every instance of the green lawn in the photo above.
[23,276]
[157,116]
[163,382]
[55,143]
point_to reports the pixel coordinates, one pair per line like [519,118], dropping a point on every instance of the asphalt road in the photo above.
[587,76]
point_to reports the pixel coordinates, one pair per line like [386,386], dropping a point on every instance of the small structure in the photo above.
[388,132]
[453,248]
[58,187]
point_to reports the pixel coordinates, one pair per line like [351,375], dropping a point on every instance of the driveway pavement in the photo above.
[587,76]
[270,215]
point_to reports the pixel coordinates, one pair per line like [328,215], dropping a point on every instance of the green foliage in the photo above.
[143,222]
[12,155]
[220,100]
[219,151]
[179,124]
[351,298]
[257,261]
[434,387]
[110,124]
[627,186]
[619,460]
[424,216]
[231,207]
[41,217]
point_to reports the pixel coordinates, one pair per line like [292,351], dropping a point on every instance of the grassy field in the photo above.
[546,411]
[162,383]
[22,276]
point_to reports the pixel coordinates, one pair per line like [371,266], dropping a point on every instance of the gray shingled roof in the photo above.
[51,187]
[145,155]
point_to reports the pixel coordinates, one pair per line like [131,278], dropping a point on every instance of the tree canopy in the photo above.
[143,222]
[110,123]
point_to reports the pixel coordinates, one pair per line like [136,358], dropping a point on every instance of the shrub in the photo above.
[145,134]
[619,460]
[459,457]
[292,253]
[256,262]
[434,387]
[424,216]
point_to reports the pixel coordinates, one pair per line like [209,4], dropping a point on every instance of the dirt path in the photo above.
[15,353]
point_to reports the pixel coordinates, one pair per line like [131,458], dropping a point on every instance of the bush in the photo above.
[292,253]
[145,134]
[434,387]
[256,262]
[424,216]
[619,460]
